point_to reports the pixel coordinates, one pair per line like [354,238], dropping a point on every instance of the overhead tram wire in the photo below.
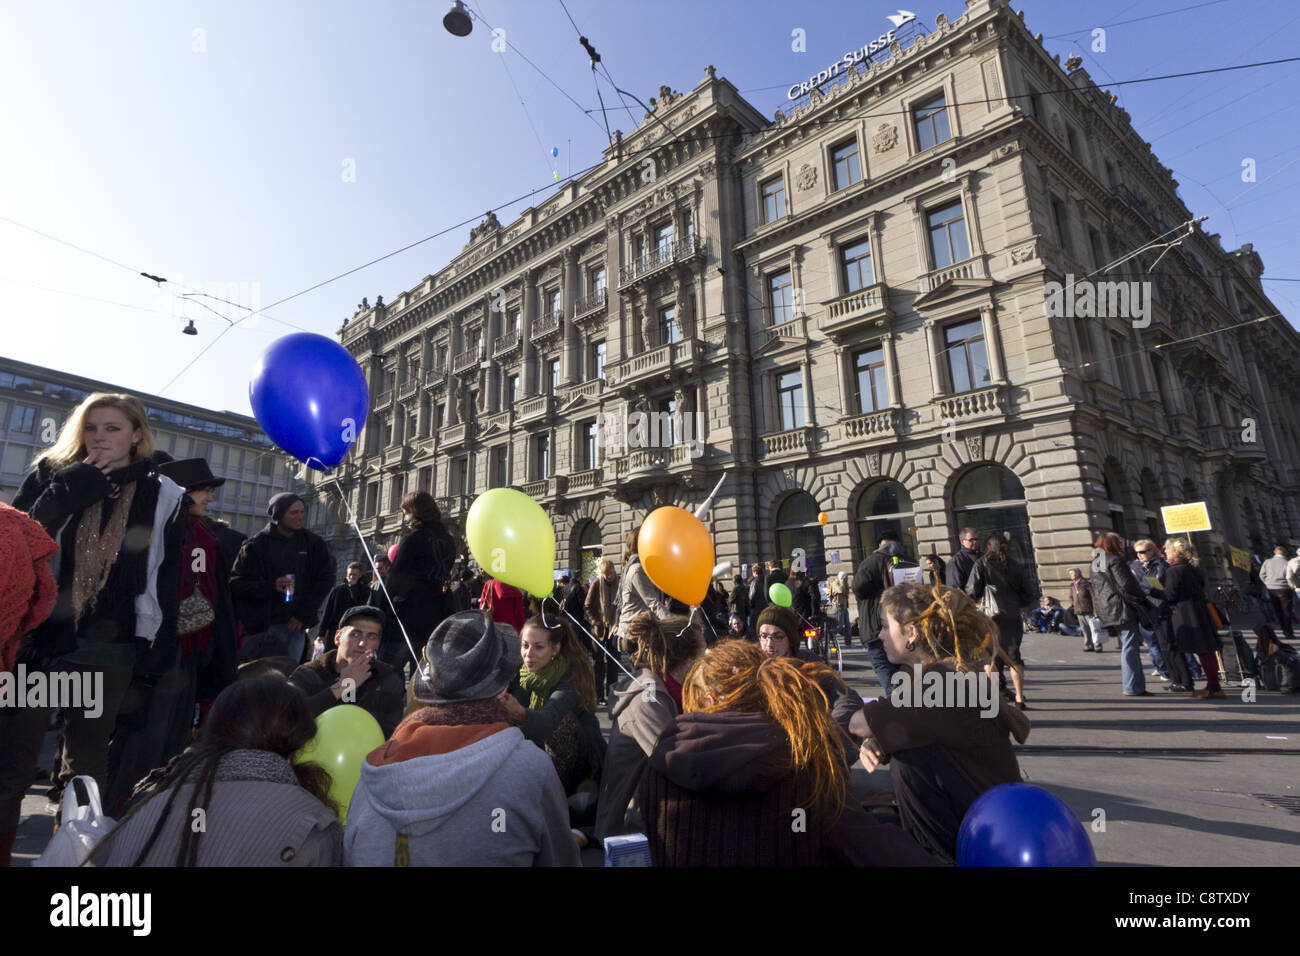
[1123,23]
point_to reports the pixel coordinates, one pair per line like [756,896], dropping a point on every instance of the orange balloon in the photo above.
[677,553]
[823,517]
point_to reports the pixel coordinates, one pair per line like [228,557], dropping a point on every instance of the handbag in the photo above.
[81,826]
[194,614]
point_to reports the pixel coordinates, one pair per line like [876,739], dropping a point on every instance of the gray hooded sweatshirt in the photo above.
[493,802]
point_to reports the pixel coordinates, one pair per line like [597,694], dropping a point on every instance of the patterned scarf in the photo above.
[540,684]
[96,551]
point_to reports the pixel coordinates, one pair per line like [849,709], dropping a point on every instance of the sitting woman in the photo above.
[1046,617]
[943,757]
[553,701]
[752,774]
[257,808]
[643,706]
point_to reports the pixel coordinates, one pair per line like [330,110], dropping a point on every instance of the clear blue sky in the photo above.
[218,156]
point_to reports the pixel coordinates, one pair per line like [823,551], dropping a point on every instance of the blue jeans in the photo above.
[1157,658]
[881,664]
[1130,645]
[846,628]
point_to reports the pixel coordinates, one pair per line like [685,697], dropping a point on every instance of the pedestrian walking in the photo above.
[873,576]
[1184,586]
[1119,602]
[1082,604]
[957,573]
[840,589]
[1001,585]
[1273,575]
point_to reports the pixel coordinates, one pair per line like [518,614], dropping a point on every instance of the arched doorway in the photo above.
[885,506]
[590,550]
[991,499]
[797,527]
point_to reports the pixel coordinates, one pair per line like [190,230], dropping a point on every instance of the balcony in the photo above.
[852,315]
[682,250]
[547,325]
[794,330]
[453,506]
[435,376]
[383,399]
[983,403]
[546,489]
[457,434]
[588,480]
[873,426]
[408,387]
[540,406]
[496,421]
[595,302]
[686,356]
[790,444]
[395,457]
[586,391]
[973,268]
[503,345]
[467,359]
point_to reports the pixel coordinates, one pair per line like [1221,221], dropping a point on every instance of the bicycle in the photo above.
[821,639]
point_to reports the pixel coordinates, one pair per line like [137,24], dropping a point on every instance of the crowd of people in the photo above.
[729,742]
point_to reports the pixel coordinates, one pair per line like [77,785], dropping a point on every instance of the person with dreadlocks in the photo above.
[943,757]
[752,774]
[643,706]
[257,807]
[553,698]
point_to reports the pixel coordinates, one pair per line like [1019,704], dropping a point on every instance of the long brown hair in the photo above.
[663,646]
[741,678]
[580,670]
[262,713]
[950,625]
[70,447]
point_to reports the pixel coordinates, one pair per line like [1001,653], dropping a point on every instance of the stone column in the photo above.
[456,343]
[936,354]
[528,372]
[992,346]
[891,370]
[843,362]
[570,356]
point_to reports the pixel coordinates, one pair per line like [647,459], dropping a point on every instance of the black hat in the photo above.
[361,610]
[281,503]
[469,657]
[190,473]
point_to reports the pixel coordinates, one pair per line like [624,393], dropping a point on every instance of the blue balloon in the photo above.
[310,397]
[555,152]
[1016,824]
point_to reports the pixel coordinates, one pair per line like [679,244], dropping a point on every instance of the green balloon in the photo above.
[512,539]
[344,735]
[780,595]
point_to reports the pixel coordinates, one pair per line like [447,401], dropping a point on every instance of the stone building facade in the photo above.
[844,310]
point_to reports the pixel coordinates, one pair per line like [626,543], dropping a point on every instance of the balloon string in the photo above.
[592,638]
[378,577]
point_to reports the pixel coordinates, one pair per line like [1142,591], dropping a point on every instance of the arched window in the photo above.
[991,499]
[886,506]
[590,550]
[797,527]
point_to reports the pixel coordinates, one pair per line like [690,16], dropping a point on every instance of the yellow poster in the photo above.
[1240,557]
[1182,518]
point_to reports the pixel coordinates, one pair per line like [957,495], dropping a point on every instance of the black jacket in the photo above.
[421,566]
[1185,590]
[269,555]
[382,695]
[342,597]
[1114,591]
[1006,594]
[869,583]
[957,572]
[218,668]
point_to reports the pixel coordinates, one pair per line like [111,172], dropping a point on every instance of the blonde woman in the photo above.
[1190,621]
[118,527]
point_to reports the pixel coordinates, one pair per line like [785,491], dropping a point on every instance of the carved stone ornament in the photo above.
[1024,253]
[806,178]
[873,464]
[885,138]
[975,445]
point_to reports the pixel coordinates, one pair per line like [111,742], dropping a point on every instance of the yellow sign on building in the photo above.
[1182,518]
[1240,557]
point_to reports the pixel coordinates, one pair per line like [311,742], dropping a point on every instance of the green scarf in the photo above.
[540,684]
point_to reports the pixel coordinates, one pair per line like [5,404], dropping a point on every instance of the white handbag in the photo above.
[81,826]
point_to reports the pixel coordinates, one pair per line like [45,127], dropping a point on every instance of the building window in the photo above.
[1061,220]
[932,123]
[948,242]
[886,506]
[1110,174]
[460,476]
[598,360]
[845,164]
[1035,107]
[1072,140]
[388,432]
[372,500]
[553,374]
[856,261]
[590,455]
[688,225]
[541,457]
[425,479]
[512,391]
[780,295]
[668,326]
[664,240]
[789,399]
[1098,250]
[499,466]
[870,381]
[667,430]
[797,527]
[517,322]
[968,359]
[23,419]
[597,281]
[774,199]
[552,303]
[399,491]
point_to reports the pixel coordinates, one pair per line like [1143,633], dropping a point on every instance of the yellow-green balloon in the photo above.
[780,594]
[344,735]
[512,539]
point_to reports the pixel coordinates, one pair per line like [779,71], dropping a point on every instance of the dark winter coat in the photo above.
[1114,591]
[1185,591]
[870,581]
[1081,597]
[107,635]
[539,725]
[217,665]
[268,555]
[1155,568]
[382,695]
[1004,593]
[420,568]
[739,602]
[957,572]
[343,597]
[718,790]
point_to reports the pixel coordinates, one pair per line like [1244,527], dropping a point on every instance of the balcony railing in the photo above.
[536,407]
[384,398]
[973,268]
[586,480]
[857,311]
[678,354]
[544,489]
[457,434]
[793,441]
[977,404]
[590,303]
[871,425]
[505,343]
[546,324]
[395,456]
[793,329]
[499,419]
[452,506]
[590,389]
[408,386]
[660,258]
[467,359]
[435,375]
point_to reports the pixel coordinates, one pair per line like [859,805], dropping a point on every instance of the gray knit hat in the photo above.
[469,657]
